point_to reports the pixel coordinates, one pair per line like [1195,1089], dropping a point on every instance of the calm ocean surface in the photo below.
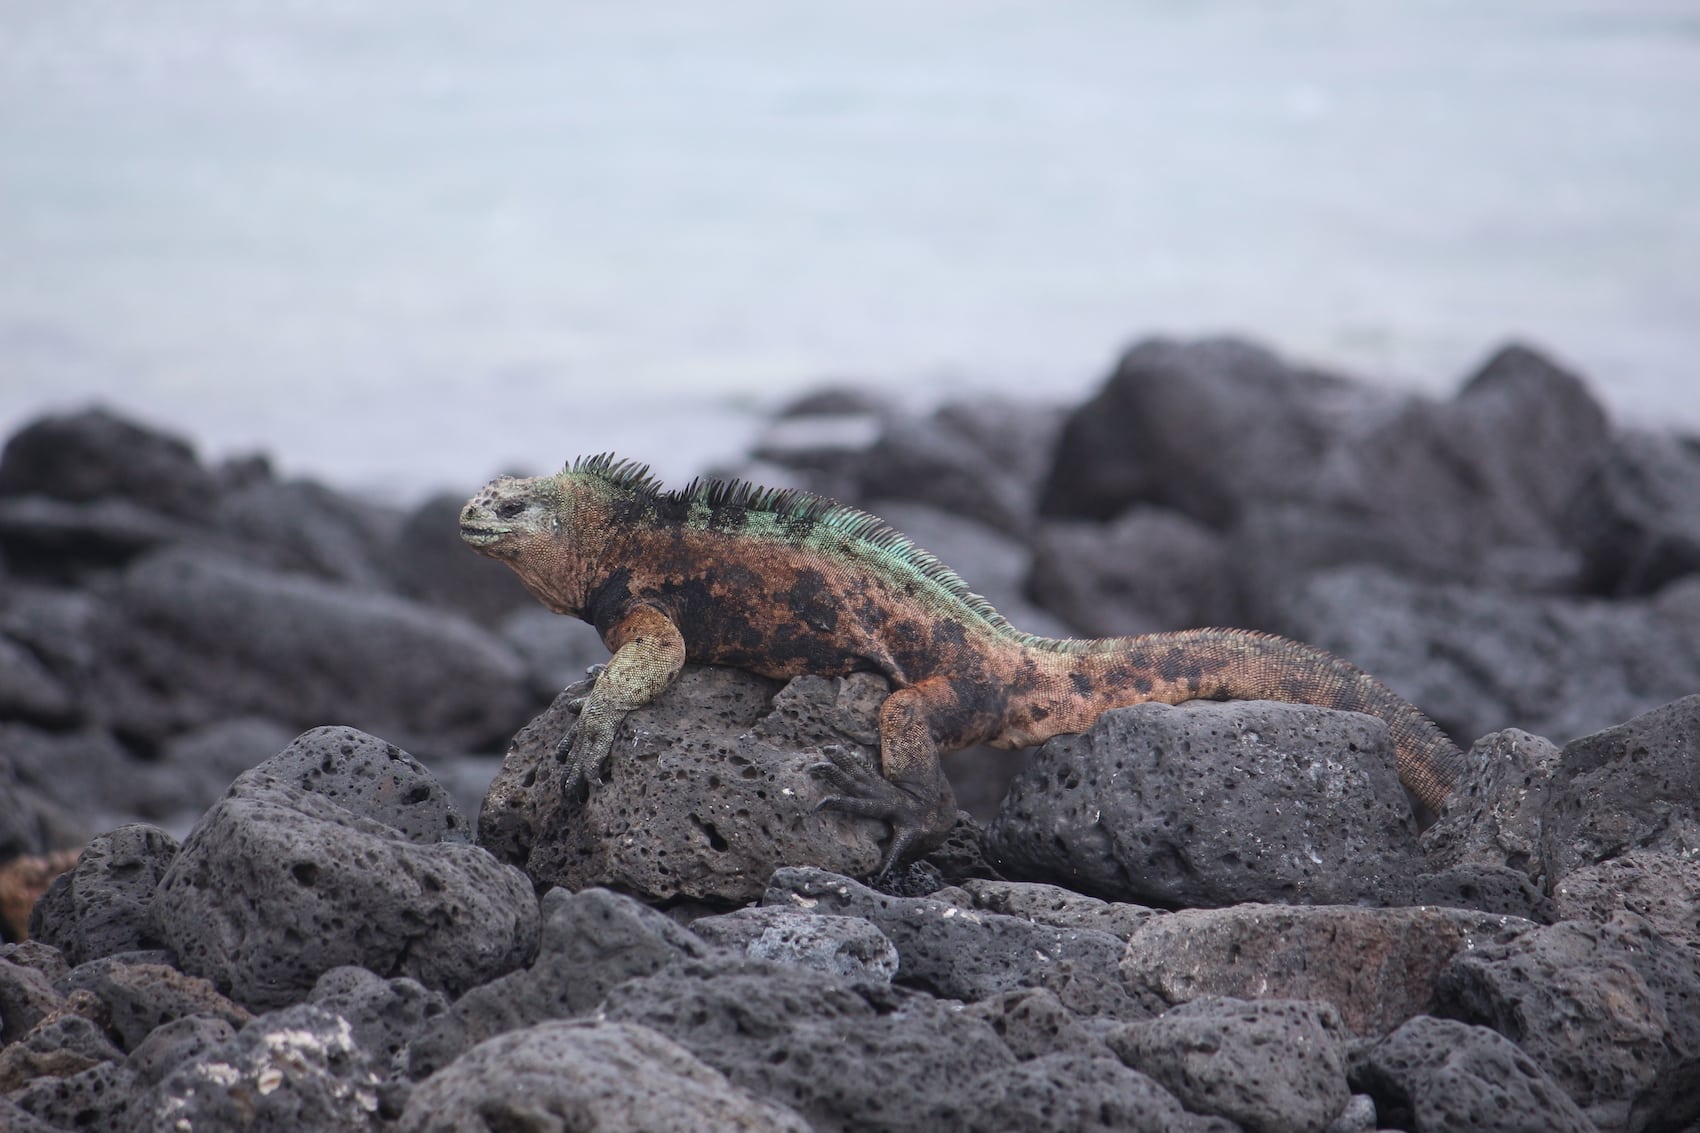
[403,245]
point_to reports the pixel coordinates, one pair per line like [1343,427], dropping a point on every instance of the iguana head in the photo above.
[510,514]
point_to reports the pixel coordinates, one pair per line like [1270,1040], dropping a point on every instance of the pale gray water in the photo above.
[402,245]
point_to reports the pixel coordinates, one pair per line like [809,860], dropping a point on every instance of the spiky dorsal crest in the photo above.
[790,506]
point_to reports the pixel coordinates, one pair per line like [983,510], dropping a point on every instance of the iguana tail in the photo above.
[1236,664]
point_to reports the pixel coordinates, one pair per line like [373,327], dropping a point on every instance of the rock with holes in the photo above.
[966,954]
[1661,887]
[294,1069]
[1439,1074]
[140,992]
[1493,816]
[591,941]
[1081,1092]
[1213,804]
[1378,967]
[579,1074]
[845,1056]
[99,907]
[707,791]
[371,778]
[1275,1065]
[1634,786]
[277,885]
[1607,1011]
[850,947]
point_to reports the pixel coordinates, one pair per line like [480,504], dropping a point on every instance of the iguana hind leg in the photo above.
[648,654]
[912,795]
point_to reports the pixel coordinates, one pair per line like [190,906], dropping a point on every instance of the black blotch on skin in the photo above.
[812,602]
[948,633]
[609,601]
[1081,682]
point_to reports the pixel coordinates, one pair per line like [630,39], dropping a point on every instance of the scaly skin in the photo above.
[785,584]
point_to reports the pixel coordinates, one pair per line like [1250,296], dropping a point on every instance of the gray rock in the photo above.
[23,827]
[1212,804]
[385,1014]
[1149,570]
[1637,518]
[852,948]
[843,1056]
[960,954]
[1434,1075]
[708,791]
[276,886]
[61,1045]
[15,1120]
[1608,1012]
[577,1074]
[1357,1117]
[29,690]
[26,998]
[87,773]
[1478,661]
[1485,888]
[94,454]
[140,995]
[171,1044]
[99,1099]
[1075,1092]
[591,941]
[1378,967]
[1660,887]
[1033,1022]
[982,459]
[1200,427]
[290,1070]
[1493,817]
[302,527]
[1271,1065]
[193,636]
[203,760]
[370,778]
[1049,904]
[1634,786]
[99,906]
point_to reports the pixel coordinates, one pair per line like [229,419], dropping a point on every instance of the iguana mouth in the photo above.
[480,536]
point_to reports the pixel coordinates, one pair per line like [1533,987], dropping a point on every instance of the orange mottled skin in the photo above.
[785,584]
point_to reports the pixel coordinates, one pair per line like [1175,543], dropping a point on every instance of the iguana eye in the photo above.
[510,509]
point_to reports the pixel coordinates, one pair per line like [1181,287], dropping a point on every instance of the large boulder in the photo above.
[1213,804]
[709,789]
[1478,661]
[278,884]
[580,1074]
[1378,967]
[191,637]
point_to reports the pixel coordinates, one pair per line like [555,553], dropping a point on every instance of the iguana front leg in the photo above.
[648,653]
[913,795]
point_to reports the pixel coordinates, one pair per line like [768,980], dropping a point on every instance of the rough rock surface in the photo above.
[715,775]
[591,941]
[1432,1074]
[1274,1065]
[99,906]
[1386,967]
[1494,815]
[1211,804]
[226,638]
[1611,1013]
[277,885]
[1635,786]
[956,953]
[294,1069]
[1478,660]
[575,1074]
[852,948]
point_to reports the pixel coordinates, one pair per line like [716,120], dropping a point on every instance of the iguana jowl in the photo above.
[784,583]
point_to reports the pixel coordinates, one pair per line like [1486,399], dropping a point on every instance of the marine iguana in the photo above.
[784,583]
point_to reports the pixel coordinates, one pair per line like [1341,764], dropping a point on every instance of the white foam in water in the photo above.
[404,245]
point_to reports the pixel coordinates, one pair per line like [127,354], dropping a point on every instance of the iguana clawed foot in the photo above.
[917,821]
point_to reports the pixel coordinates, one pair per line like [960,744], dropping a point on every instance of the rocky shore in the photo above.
[327,879]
